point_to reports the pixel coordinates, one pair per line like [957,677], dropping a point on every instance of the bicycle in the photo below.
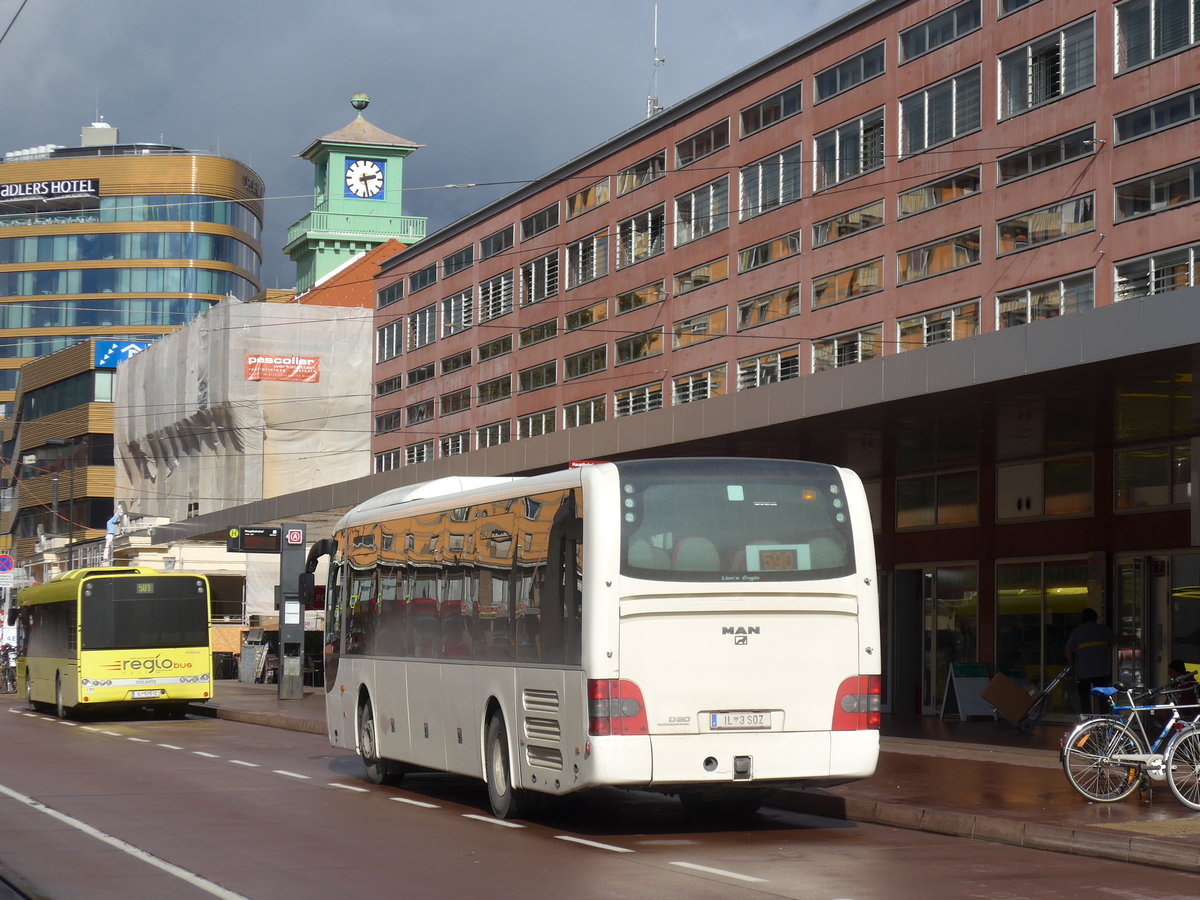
[1107,757]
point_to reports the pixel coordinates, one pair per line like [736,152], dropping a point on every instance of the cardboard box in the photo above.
[1008,697]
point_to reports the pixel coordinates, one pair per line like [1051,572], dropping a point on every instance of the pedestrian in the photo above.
[1090,652]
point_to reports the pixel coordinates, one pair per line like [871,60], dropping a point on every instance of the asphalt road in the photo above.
[210,808]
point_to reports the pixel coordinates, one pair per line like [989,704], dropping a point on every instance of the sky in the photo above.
[497,92]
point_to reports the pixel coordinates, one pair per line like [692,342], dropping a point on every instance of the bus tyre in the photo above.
[379,771]
[29,691]
[59,708]
[504,799]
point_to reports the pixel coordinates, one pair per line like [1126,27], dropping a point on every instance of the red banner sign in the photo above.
[283,368]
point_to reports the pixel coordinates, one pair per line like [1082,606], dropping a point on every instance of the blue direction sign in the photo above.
[6,563]
[109,353]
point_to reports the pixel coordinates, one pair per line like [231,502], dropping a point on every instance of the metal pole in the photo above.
[71,515]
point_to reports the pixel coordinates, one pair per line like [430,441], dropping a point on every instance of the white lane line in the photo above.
[170,747]
[31,715]
[596,844]
[89,728]
[291,774]
[112,733]
[248,765]
[490,821]
[65,722]
[205,755]
[183,874]
[420,803]
[138,740]
[348,787]
[722,872]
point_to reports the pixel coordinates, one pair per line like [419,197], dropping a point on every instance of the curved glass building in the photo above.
[118,241]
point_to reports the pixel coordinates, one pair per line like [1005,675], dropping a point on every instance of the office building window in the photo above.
[701,144]
[952,323]
[537,377]
[648,170]
[940,30]
[939,193]
[847,349]
[387,461]
[770,307]
[588,315]
[456,262]
[389,385]
[940,113]
[1047,300]
[639,297]
[850,73]
[535,334]
[493,435]
[535,424]
[1051,67]
[456,312]
[456,362]
[1155,193]
[539,278]
[455,402]
[454,444]
[770,183]
[702,212]
[391,294]
[587,260]
[1050,223]
[494,390]
[942,498]
[850,150]
[769,251]
[420,374]
[496,243]
[389,340]
[698,329]
[1046,155]
[768,368]
[587,362]
[416,413]
[847,284]
[496,297]
[1011,6]
[845,224]
[1151,29]
[774,109]
[1160,273]
[540,222]
[1157,116]
[498,347]
[422,278]
[418,453]
[422,327]
[643,398]
[641,237]
[938,257]
[586,412]
[696,386]
[700,276]
[1147,477]
[639,346]
[587,199]
[388,422]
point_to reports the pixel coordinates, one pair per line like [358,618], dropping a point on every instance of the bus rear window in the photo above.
[142,613]
[734,520]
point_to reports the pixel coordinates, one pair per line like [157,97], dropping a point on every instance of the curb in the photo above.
[1036,836]
[271,720]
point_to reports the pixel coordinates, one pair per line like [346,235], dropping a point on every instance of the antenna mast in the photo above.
[652,105]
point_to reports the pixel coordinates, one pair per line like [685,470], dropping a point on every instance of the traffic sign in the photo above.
[295,536]
[6,563]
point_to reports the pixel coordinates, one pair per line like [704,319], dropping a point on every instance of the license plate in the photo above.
[142,695]
[739,721]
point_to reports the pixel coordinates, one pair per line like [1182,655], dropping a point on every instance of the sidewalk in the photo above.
[977,779]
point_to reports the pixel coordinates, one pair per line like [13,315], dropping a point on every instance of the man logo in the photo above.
[740,639]
[740,629]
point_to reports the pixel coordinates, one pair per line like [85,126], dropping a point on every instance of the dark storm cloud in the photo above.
[498,92]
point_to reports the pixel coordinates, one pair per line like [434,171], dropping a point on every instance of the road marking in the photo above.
[65,722]
[291,774]
[348,787]
[183,874]
[112,733]
[712,871]
[170,747]
[31,715]
[490,821]
[248,765]
[206,755]
[138,740]
[90,728]
[420,803]
[596,844]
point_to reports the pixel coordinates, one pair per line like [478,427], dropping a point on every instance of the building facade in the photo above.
[950,244]
[112,240]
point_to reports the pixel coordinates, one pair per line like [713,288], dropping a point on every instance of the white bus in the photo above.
[700,627]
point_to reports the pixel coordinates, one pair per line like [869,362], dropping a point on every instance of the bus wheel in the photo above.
[379,771]
[504,799]
[62,710]
[29,691]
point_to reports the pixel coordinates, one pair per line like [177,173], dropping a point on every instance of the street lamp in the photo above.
[61,442]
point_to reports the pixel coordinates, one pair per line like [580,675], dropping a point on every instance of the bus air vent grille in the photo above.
[542,729]
[541,700]
[544,757]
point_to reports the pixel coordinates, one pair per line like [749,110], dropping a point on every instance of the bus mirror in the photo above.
[307,589]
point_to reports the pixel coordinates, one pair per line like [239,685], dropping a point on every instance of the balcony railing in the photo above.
[406,229]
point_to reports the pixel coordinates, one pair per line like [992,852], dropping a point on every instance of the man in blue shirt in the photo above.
[1090,652]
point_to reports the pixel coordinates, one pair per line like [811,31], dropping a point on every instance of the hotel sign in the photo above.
[50,190]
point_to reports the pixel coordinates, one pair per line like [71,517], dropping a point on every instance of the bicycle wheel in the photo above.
[1089,765]
[1183,767]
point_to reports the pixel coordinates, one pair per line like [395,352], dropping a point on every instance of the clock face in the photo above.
[364,178]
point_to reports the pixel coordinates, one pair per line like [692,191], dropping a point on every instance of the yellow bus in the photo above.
[115,637]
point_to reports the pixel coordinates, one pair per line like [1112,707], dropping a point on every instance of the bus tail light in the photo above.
[857,704]
[615,707]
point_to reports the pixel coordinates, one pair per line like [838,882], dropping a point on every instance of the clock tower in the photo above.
[357,193]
